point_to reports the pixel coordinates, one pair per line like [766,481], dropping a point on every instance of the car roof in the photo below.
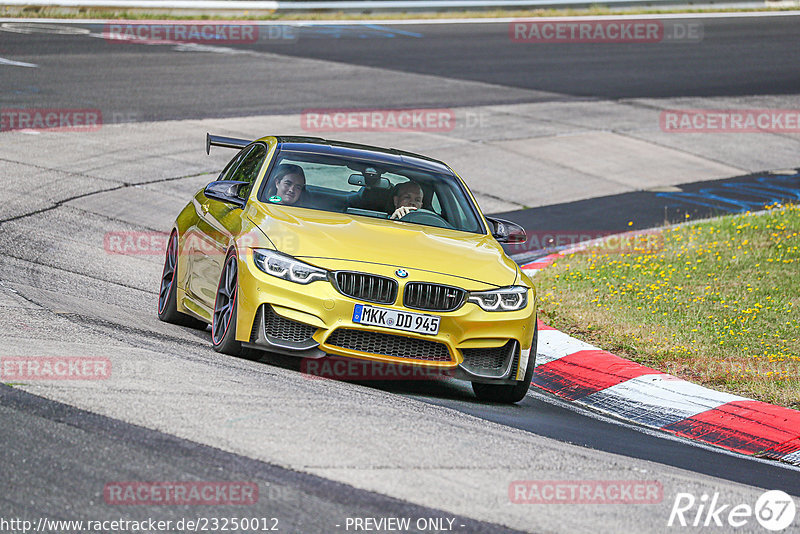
[393,156]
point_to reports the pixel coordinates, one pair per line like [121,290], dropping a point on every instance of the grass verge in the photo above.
[145,14]
[715,302]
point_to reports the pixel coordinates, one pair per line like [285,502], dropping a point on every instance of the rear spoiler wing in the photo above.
[226,142]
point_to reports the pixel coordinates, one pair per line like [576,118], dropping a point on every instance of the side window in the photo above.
[246,169]
[451,208]
[229,168]
[435,203]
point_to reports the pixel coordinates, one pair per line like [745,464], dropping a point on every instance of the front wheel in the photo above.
[223,327]
[510,393]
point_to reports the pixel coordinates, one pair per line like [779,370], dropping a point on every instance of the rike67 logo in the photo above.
[774,510]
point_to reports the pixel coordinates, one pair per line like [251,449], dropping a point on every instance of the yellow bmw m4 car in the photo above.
[330,250]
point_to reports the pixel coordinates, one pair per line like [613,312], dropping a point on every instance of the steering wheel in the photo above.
[422,216]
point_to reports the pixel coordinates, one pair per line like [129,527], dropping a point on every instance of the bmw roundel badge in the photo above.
[401,273]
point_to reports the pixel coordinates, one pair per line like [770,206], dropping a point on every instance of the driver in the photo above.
[407,198]
[288,184]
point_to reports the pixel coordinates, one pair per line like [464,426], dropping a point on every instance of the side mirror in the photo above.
[226,191]
[369,181]
[507,232]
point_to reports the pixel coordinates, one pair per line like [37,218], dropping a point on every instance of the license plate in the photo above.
[408,321]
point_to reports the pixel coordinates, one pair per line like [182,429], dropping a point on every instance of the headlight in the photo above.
[503,299]
[286,267]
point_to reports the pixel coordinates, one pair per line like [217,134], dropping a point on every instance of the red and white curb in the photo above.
[592,377]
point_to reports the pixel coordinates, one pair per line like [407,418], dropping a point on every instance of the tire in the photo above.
[167,299]
[223,326]
[510,393]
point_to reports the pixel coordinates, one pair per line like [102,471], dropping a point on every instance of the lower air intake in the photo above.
[389,345]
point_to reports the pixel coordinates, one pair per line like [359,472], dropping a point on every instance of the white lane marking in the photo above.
[197,47]
[657,400]
[753,14]
[554,345]
[11,62]
[793,457]
[29,27]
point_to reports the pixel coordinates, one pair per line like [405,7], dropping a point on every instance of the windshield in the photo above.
[375,189]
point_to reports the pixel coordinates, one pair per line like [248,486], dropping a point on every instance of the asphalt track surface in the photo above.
[560,225]
[737,57]
[543,414]
[98,449]
[740,57]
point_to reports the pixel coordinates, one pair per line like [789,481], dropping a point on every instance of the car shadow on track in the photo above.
[544,414]
[439,388]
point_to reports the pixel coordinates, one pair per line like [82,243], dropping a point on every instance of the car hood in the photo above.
[317,236]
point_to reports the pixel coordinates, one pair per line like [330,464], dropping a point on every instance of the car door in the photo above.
[196,243]
[219,223]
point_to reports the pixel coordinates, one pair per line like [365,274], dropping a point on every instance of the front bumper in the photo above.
[315,320]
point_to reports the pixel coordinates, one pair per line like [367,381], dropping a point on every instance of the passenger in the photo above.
[407,198]
[288,184]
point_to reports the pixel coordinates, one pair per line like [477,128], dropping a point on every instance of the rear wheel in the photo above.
[510,393]
[223,327]
[167,299]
